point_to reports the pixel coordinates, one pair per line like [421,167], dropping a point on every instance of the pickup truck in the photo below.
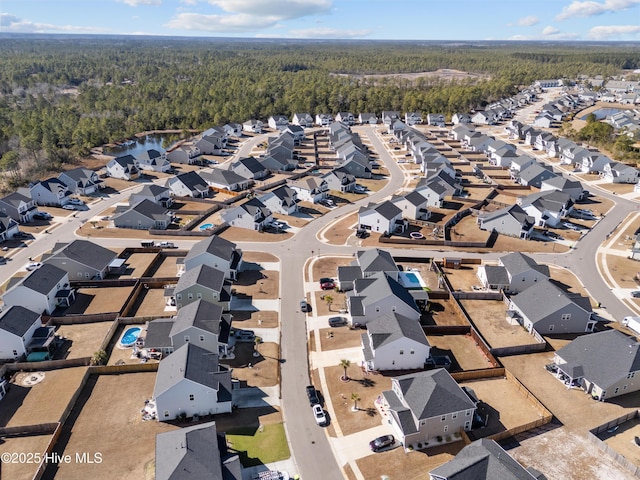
[165,245]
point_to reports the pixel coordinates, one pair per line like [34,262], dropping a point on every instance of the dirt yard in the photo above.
[99,300]
[264,370]
[337,338]
[489,316]
[258,257]
[248,320]
[327,267]
[43,402]
[461,349]
[339,301]
[622,441]
[83,339]
[463,278]
[443,312]
[32,444]
[258,284]
[151,303]
[112,425]
[623,270]
[341,230]
[168,268]
[137,264]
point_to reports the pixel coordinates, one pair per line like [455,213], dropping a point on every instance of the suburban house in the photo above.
[305,120]
[225,179]
[434,190]
[413,118]
[218,253]
[201,282]
[395,342]
[534,175]
[81,181]
[548,208]
[154,161]
[547,309]
[188,184]
[358,165]
[389,117]
[278,161]
[520,163]
[324,119]
[345,117]
[282,200]
[310,189]
[380,294]
[340,180]
[8,227]
[426,406]
[604,364]
[296,131]
[154,193]
[368,118]
[385,217]
[43,290]
[573,188]
[413,205]
[515,272]
[18,206]
[617,172]
[191,382]
[186,154]
[367,263]
[143,215]
[199,451]
[436,119]
[484,118]
[203,324]
[278,122]
[17,326]
[484,459]
[252,215]
[592,162]
[211,142]
[249,167]
[512,221]
[51,192]
[233,129]
[460,118]
[253,126]
[125,168]
[81,259]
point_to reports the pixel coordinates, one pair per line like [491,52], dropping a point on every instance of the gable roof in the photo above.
[214,245]
[204,275]
[496,275]
[150,209]
[199,314]
[15,199]
[79,174]
[387,209]
[191,180]
[54,185]
[391,327]
[514,211]
[43,279]
[376,260]
[378,286]
[517,263]
[18,320]
[222,176]
[250,163]
[153,190]
[544,298]
[84,252]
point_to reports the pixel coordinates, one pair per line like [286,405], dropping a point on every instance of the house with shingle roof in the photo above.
[253,126]
[374,260]
[389,117]
[548,208]
[395,342]
[204,324]
[618,172]
[196,452]
[81,259]
[534,175]
[345,117]
[211,141]
[43,290]
[19,207]
[340,179]
[515,272]
[155,193]
[188,184]
[50,192]
[250,168]
[381,217]
[17,326]
[413,205]
[573,188]
[8,227]
[233,129]
[252,215]
[192,382]
[484,459]
[512,221]
[154,161]
[547,309]
[278,122]
[415,118]
[82,181]
[217,253]
[125,168]
[310,189]
[282,200]
[143,216]
[426,405]
[590,162]
[604,364]
[368,118]
[460,118]
[201,282]
[187,154]
[225,179]
[305,120]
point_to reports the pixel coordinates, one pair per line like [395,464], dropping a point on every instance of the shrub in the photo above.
[439,439]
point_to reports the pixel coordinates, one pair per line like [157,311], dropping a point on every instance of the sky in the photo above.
[573,20]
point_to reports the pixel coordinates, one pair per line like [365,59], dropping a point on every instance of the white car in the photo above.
[76,201]
[70,207]
[33,265]
[359,189]
[318,414]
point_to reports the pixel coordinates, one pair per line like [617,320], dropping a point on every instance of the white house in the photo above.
[154,161]
[125,168]
[278,122]
[395,342]
[50,192]
[19,207]
[17,326]
[253,126]
[81,180]
[42,290]
[217,253]
[413,205]
[282,200]
[305,120]
[252,215]
[617,172]
[188,184]
[382,217]
[310,189]
[548,208]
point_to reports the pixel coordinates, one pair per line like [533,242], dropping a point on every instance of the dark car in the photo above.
[327,283]
[312,394]
[381,442]
[337,321]
[635,294]
[362,233]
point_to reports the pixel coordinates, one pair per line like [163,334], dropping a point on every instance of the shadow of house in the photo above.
[12,402]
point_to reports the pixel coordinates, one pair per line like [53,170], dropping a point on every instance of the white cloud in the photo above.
[528,21]
[521,37]
[549,30]
[606,32]
[137,3]
[220,23]
[325,32]
[552,33]
[11,23]
[589,8]
[283,9]
[189,2]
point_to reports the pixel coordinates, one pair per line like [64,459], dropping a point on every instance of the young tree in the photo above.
[356,398]
[344,363]
[329,300]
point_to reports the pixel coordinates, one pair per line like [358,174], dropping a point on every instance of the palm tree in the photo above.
[356,398]
[329,300]
[344,363]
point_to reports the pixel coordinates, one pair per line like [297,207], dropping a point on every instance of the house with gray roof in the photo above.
[548,208]
[157,338]
[217,253]
[188,184]
[154,161]
[415,118]
[278,122]
[413,205]
[385,217]
[278,161]
[380,294]
[81,181]
[310,189]
[340,180]
[282,200]
[515,272]
[426,407]
[547,309]
[143,215]
[374,260]
[250,168]
[573,188]
[346,276]
[324,119]
[17,326]
[192,382]
[357,165]
[43,290]
[368,118]
[484,459]
[233,129]
[512,221]
[534,175]
[395,342]
[51,192]
[186,154]
[8,227]
[297,132]
[305,120]
[211,142]
[460,118]
[434,190]
[154,193]
[519,164]
[618,172]
[253,126]
[202,282]
[389,117]
[604,364]
[194,453]
[124,168]
[201,323]
[19,207]
[252,215]
[225,179]
[81,259]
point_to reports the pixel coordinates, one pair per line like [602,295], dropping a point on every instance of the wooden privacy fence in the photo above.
[632,468]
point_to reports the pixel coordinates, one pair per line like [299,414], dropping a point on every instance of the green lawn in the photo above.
[259,446]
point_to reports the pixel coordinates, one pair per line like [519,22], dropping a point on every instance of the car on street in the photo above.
[165,245]
[382,442]
[319,415]
[304,306]
[70,207]
[3,261]
[33,265]
[327,283]
[337,321]
[635,294]
[312,394]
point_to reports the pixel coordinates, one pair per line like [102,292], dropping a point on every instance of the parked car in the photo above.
[635,294]
[362,233]
[166,245]
[33,265]
[3,261]
[70,207]
[379,443]
[42,216]
[312,394]
[245,336]
[337,321]
[318,414]
[304,306]
[360,189]
[327,283]
[76,201]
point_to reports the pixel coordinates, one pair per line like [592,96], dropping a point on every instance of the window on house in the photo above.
[412,352]
[166,413]
[468,413]
[423,423]
[443,418]
[198,295]
[15,353]
[616,390]
[393,309]
[565,317]
[454,416]
[191,397]
[190,296]
[624,387]
[401,352]
[187,338]
[179,296]
[446,428]
[551,327]
[377,309]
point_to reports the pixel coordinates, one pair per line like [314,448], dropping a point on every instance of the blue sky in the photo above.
[358,19]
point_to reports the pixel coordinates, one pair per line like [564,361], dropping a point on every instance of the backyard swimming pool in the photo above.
[130,336]
[411,280]
[206,226]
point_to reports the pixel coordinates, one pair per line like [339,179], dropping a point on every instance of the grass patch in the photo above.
[260,446]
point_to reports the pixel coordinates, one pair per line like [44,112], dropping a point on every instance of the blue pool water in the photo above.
[412,278]
[206,226]
[130,336]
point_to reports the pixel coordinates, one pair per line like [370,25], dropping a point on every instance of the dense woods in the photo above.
[60,96]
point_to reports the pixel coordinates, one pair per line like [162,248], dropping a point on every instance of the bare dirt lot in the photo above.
[99,300]
[35,444]
[137,264]
[264,370]
[83,339]
[262,318]
[489,316]
[622,441]
[338,302]
[461,349]
[623,270]
[443,312]
[259,284]
[258,257]
[340,231]
[463,278]
[327,267]
[112,425]
[150,302]
[337,338]
[168,268]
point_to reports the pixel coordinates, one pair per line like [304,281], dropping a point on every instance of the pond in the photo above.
[602,113]
[155,141]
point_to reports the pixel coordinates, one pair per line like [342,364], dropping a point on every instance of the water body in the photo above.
[155,141]
[602,113]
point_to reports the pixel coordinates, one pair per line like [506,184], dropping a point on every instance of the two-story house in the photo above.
[154,161]
[143,215]
[81,259]
[124,168]
[201,282]
[19,207]
[252,215]
[282,200]
[17,326]
[42,290]
[81,181]
[385,217]
[218,253]
[50,192]
[188,184]
[310,189]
